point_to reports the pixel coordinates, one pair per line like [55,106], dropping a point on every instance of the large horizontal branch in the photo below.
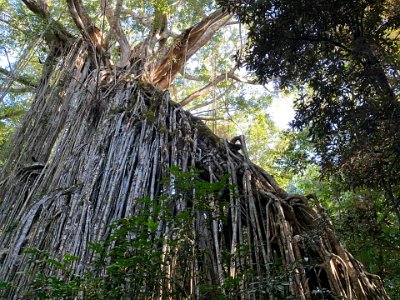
[191,77]
[20,90]
[18,78]
[206,88]
[205,103]
[188,43]
[144,21]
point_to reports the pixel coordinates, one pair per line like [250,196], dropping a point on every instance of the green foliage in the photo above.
[10,114]
[363,219]
[367,230]
[3,285]
[342,56]
[264,143]
[283,153]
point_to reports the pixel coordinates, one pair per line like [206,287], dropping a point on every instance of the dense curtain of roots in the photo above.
[95,142]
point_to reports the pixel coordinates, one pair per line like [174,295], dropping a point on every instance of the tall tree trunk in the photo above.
[95,142]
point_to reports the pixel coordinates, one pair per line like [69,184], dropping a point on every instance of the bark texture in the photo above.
[95,142]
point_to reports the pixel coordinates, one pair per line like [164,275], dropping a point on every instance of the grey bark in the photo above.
[102,142]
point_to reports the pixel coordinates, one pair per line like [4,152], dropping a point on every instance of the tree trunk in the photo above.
[95,142]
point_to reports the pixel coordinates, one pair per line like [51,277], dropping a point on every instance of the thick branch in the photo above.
[55,31]
[205,88]
[20,90]
[85,25]
[242,80]
[212,29]
[190,76]
[185,46]
[38,7]
[113,20]
[21,79]
[373,69]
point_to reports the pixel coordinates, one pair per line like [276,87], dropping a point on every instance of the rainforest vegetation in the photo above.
[139,157]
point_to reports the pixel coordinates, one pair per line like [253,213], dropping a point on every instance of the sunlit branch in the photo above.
[207,35]
[185,46]
[85,25]
[113,20]
[243,80]
[206,88]
[191,77]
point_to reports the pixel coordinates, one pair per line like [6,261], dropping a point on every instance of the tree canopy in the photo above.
[343,58]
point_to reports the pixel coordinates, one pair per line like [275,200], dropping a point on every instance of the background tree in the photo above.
[343,57]
[102,134]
